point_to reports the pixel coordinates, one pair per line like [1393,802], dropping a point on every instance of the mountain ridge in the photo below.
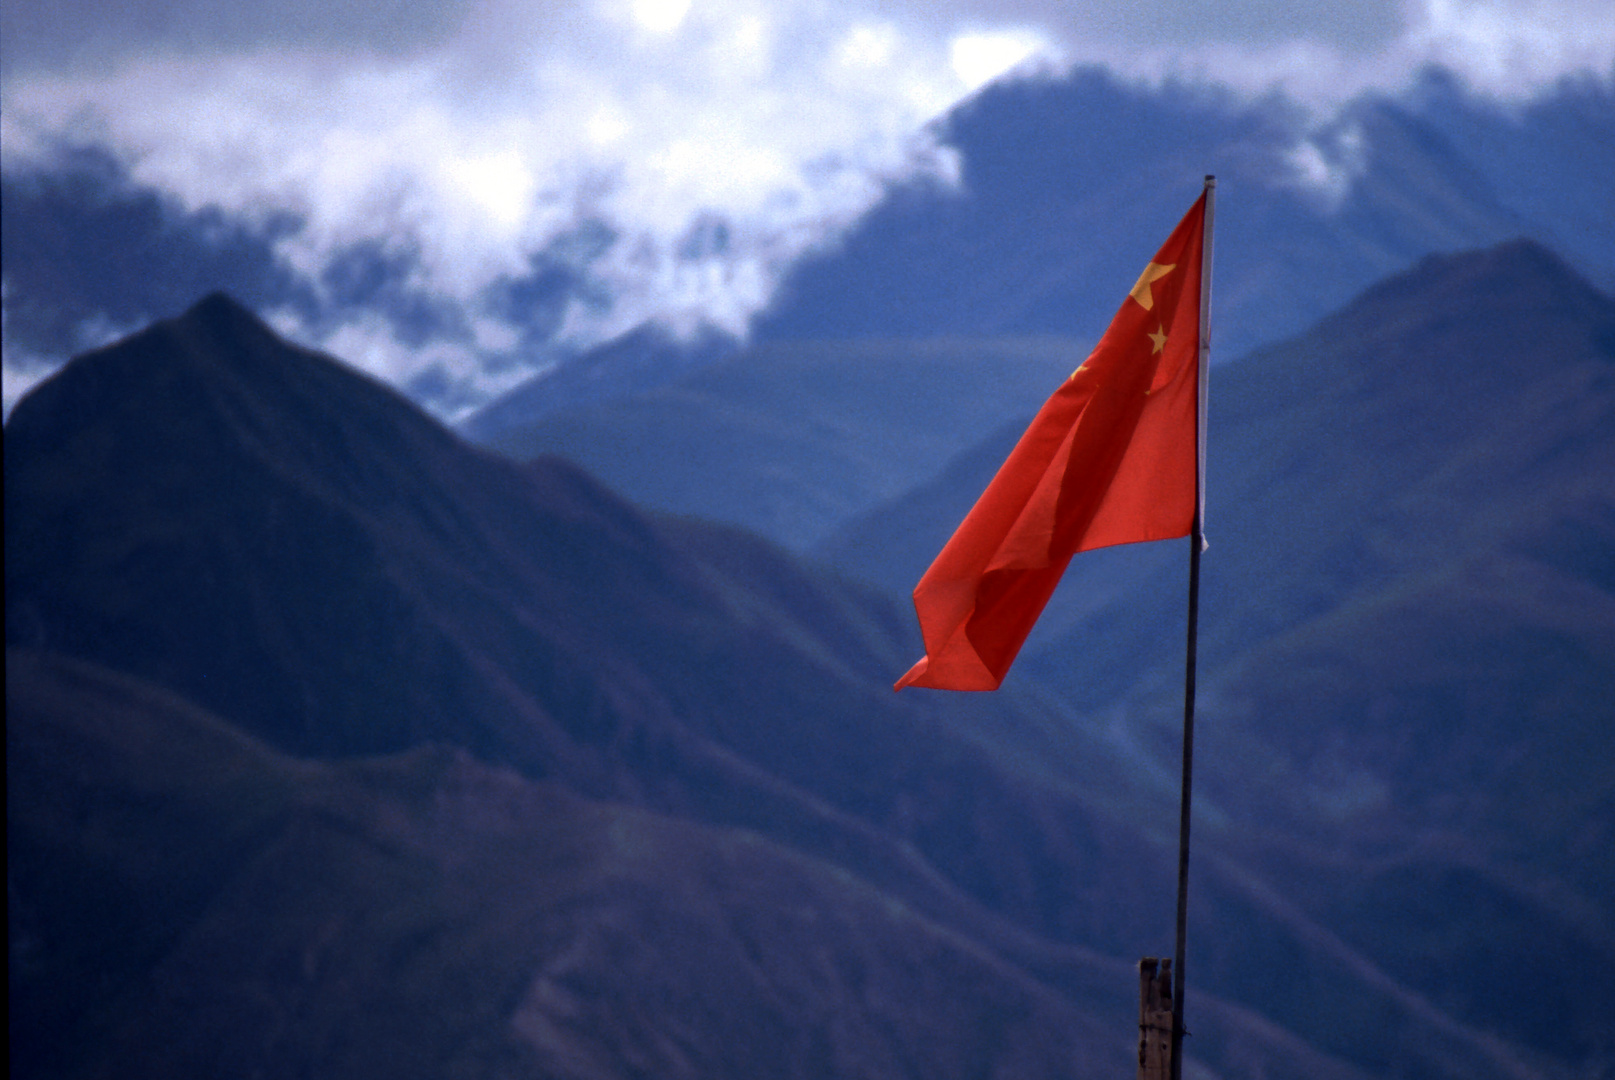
[555,904]
[674,668]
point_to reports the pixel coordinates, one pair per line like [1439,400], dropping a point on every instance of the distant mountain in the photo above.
[1545,159]
[788,438]
[1407,624]
[1069,183]
[643,359]
[228,543]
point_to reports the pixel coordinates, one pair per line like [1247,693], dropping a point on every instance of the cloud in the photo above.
[82,35]
[709,143]
[482,186]
[20,372]
[1321,52]
[21,368]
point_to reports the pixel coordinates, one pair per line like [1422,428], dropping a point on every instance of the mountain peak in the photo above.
[1503,314]
[218,376]
[1509,265]
[220,307]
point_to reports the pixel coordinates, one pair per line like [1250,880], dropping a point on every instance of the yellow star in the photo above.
[1159,337]
[1141,291]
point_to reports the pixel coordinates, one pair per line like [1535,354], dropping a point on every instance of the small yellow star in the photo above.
[1141,291]
[1159,337]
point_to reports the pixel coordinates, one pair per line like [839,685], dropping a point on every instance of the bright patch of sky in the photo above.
[712,141]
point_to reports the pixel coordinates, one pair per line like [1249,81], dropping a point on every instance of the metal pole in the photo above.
[1196,545]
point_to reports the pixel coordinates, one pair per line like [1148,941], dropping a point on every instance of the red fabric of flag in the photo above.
[1109,459]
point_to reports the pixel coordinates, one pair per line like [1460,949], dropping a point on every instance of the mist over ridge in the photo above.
[503,256]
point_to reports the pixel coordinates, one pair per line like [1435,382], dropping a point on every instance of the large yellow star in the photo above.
[1159,338]
[1141,291]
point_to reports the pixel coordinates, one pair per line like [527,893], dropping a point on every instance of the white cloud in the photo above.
[1328,161]
[22,370]
[1322,52]
[1511,47]
[980,57]
[782,125]
[19,375]
[660,16]
[715,140]
[452,377]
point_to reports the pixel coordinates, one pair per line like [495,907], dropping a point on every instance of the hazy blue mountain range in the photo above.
[237,573]
[788,438]
[1408,623]
[642,360]
[1408,639]
[1067,186]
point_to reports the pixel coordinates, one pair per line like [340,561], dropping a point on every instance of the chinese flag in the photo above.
[1111,458]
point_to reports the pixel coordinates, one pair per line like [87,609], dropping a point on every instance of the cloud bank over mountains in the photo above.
[469,191]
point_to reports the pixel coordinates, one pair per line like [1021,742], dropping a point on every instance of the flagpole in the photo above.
[1196,544]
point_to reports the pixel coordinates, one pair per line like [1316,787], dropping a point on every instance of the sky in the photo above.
[617,161]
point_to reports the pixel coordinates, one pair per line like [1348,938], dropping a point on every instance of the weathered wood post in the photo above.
[1154,1019]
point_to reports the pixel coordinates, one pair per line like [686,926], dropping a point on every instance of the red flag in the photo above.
[1111,458]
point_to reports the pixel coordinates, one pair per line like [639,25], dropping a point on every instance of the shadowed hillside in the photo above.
[329,575]
[424,915]
[1407,629]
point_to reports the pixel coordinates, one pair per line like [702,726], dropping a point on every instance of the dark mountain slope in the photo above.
[301,551]
[208,509]
[1442,412]
[226,908]
[1407,632]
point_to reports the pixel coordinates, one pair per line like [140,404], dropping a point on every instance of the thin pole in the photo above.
[1197,543]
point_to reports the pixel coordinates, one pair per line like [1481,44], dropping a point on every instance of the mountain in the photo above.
[302,552]
[1568,134]
[1066,186]
[642,359]
[247,591]
[424,914]
[1407,633]
[1067,183]
[786,438]
[1311,446]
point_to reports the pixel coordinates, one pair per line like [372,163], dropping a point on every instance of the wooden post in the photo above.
[1154,1019]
